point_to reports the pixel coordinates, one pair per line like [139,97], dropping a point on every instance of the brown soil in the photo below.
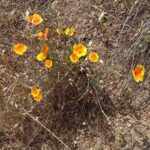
[100,108]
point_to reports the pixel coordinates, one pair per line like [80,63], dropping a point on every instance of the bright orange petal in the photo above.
[30,18]
[35,19]
[35,91]
[45,49]
[48,63]
[40,35]
[74,58]
[20,48]
[138,73]
[93,57]
[47,32]
[38,98]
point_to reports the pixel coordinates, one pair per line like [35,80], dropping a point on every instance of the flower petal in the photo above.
[74,58]
[79,50]
[39,97]
[48,63]
[41,57]
[93,57]
[40,35]
[138,73]
[20,48]
[45,49]
[35,19]
[35,91]
[69,31]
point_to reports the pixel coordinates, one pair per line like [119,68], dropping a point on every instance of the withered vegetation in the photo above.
[85,106]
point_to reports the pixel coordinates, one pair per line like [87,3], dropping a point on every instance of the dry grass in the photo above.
[85,106]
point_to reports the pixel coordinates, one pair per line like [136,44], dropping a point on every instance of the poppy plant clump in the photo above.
[35,19]
[79,50]
[138,73]
[20,48]
[36,94]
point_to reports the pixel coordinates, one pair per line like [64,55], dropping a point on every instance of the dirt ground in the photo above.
[112,113]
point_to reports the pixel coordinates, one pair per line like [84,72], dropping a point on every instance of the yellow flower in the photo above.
[93,57]
[35,91]
[43,54]
[48,63]
[138,73]
[38,98]
[74,58]
[35,19]
[79,50]
[43,36]
[69,31]
[41,57]
[20,48]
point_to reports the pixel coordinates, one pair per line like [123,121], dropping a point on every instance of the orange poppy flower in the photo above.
[43,36]
[79,50]
[35,91]
[35,19]
[138,73]
[74,58]
[43,54]
[48,63]
[38,98]
[93,57]
[20,48]
[45,49]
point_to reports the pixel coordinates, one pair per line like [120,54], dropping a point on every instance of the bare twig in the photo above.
[13,88]
[37,121]
[109,122]
[128,17]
